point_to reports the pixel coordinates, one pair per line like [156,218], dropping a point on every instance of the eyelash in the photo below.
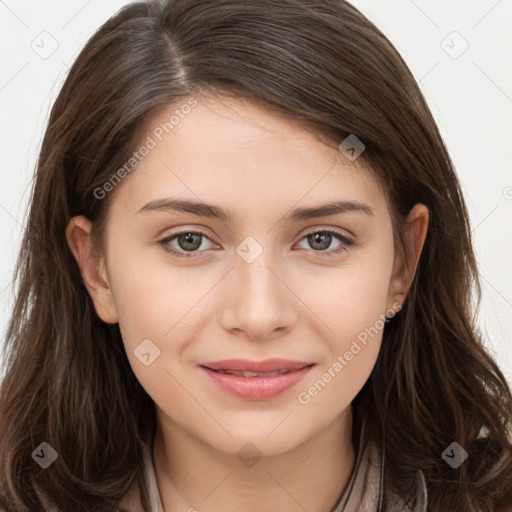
[347,242]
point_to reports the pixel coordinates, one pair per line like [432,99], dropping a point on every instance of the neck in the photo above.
[193,476]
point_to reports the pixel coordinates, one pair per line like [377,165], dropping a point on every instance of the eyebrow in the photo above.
[215,212]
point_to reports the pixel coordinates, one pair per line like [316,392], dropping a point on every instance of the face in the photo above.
[258,280]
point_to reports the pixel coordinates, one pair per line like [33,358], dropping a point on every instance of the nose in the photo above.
[259,299]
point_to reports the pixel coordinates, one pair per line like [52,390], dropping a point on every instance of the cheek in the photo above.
[151,294]
[351,298]
[356,319]
[353,309]
[360,303]
[155,304]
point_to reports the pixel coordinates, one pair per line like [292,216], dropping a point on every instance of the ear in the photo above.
[92,268]
[415,234]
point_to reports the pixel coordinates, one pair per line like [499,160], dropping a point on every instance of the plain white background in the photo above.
[459,51]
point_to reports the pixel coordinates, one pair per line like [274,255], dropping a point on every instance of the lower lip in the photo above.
[257,388]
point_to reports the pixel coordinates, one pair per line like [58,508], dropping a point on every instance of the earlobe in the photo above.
[92,268]
[403,272]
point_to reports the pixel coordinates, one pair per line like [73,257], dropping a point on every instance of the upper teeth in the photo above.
[253,374]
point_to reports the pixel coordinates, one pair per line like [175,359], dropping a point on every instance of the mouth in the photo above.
[252,380]
[258,367]
[253,374]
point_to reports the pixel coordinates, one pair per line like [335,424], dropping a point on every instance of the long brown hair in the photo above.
[68,381]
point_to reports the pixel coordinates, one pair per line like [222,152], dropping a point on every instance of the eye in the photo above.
[321,240]
[188,241]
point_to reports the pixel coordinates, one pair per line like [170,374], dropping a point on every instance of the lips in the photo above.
[253,380]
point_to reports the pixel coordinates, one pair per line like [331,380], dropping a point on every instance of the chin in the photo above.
[257,442]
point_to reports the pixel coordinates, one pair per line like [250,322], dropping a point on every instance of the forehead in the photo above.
[225,150]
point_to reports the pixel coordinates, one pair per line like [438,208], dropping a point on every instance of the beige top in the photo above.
[360,495]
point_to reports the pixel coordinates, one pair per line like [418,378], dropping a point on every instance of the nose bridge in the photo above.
[252,265]
[258,301]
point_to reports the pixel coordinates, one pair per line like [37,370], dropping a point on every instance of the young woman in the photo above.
[246,280]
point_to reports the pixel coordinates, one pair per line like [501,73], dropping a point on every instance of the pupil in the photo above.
[321,238]
[189,241]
